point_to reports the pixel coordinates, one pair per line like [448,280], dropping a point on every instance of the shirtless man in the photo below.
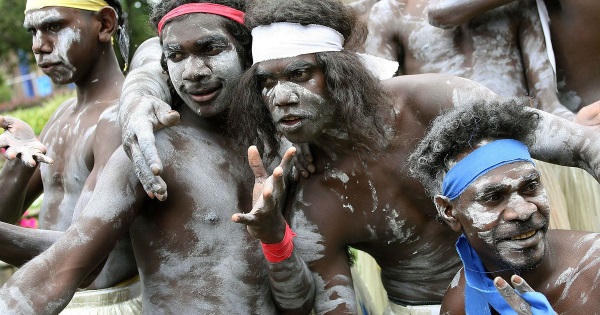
[192,259]
[370,201]
[475,164]
[72,43]
[503,49]
[361,194]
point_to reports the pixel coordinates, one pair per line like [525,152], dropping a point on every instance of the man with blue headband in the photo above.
[475,162]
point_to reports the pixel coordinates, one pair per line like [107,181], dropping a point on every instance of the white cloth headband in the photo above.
[284,40]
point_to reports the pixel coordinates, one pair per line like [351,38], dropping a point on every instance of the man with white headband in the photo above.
[192,259]
[72,42]
[361,131]
[475,163]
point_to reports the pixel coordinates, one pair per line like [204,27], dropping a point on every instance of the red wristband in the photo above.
[281,251]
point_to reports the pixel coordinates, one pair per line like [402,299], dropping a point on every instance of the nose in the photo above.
[40,44]
[519,208]
[196,69]
[284,95]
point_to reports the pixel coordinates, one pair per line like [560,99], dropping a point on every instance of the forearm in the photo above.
[292,285]
[451,13]
[19,245]
[14,178]
[559,141]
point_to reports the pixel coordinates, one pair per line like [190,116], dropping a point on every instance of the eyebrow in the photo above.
[43,22]
[489,188]
[294,66]
[202,42]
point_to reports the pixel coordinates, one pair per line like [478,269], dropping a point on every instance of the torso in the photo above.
[486,50]
[70,138]
[576,45]
[192,258]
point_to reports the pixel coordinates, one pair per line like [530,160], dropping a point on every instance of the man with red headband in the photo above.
[72,42]
[191,258]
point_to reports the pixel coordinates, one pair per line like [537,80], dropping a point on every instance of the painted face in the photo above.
[203,62]
[504,214]
[63,42]
[294,91]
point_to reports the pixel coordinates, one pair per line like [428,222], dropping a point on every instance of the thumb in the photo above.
[166,115]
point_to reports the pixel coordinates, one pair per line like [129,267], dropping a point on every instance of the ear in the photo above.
[108,24]
[446,210]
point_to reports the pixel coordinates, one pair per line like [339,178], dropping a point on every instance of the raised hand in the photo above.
[20,141]
[265,221]
[139,118]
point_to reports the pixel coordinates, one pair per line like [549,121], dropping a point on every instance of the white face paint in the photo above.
[52,41]
[203,63]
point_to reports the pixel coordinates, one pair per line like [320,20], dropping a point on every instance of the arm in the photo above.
[291,281]
[144,107]
[47,283]
[382,40]
[452,13]
[20,180]
[538,70]
[454,297]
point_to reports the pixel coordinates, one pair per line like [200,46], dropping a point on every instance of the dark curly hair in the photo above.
[361,102]
[241,34]
[463,127]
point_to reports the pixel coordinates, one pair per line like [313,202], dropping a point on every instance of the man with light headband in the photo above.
[72,43]
[192,259]
[474,162]
[361,132]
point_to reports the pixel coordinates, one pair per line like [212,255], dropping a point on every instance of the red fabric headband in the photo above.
[211,8]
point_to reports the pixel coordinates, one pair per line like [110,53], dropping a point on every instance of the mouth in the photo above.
[47,67]
[290,120]
[205,95]
[524,236]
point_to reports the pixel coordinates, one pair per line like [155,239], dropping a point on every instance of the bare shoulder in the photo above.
[454,298]
[148,52]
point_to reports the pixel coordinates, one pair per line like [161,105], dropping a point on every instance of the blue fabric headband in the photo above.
[481,161]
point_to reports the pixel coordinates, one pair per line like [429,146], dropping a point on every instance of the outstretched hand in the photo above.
[303,161]
[139,118]
[265,221]
[20,141]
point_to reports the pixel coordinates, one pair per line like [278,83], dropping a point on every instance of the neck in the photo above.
[217,123]
[103,81]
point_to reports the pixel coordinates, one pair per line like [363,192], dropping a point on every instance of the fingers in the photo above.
[153,185]
[167,116]
[286,161]
[3,123]
[27,159]
[41,158]
[256,163]
[303,160]
[520,285]
[244,218]
[515,301]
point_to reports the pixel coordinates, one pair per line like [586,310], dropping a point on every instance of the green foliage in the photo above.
[37,116]
[5,90]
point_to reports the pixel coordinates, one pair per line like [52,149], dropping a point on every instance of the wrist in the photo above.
[278,252]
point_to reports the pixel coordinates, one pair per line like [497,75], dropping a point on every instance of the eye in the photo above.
[54,27]
[491,198]
[531,187]
[174,56]
[214,49]
[266,82]
[300,75]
